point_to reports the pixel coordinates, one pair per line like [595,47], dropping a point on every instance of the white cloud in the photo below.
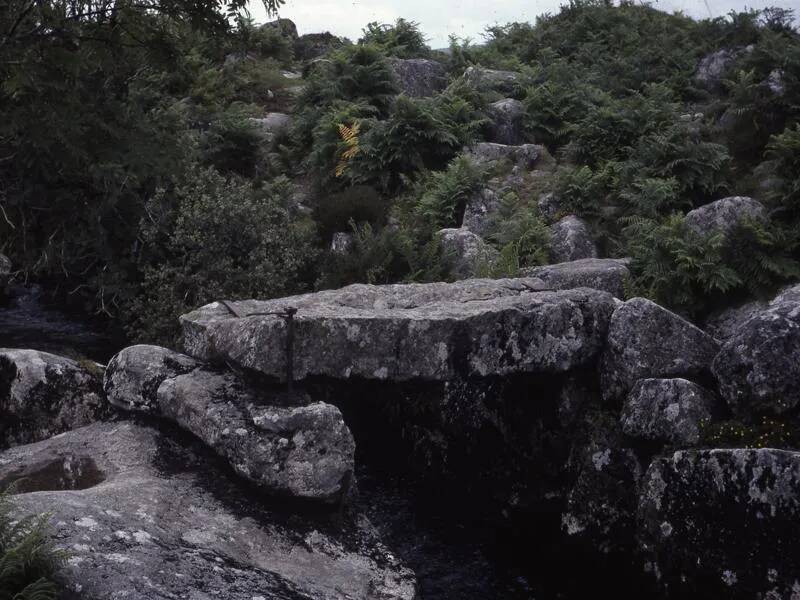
[464,18]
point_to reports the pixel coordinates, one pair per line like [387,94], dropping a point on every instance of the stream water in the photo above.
[454,556]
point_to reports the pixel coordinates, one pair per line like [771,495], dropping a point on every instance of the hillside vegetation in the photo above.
[137,180]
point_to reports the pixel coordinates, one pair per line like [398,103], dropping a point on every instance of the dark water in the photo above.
[28,319]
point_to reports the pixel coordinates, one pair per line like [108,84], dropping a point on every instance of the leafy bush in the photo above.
[28,561]
[445,193]
[403,39]
[232,144]
[692,274]
[211,238]
[521,235]
[359,204]
[783,152]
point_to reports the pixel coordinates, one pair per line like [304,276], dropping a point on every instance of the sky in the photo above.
[464,18]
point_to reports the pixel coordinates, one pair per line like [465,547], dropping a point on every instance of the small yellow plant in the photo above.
[349,136]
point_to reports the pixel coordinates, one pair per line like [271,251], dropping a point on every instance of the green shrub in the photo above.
[403,39]
[693,274]
[211,238]
[783,153]
[521,235]
[28,561]
[359,204]
[445,193]
[378,256]
[233,144]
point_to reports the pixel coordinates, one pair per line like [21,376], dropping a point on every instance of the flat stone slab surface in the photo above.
[146,518]
[434,332]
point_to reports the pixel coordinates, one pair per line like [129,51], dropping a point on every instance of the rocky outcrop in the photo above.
[607,274]
[302,451]
[713,67]
[418,77]
[723,523]
[42,395]
[504,82]
[272,125]
[155,519]
[549,207]
[286,27]
[648,341]
[435,332]
[314,45]
[724,215]
[570,240]
[506,122]
[668,411]
[465,254]
[524,156]
[758,367]
[481,211]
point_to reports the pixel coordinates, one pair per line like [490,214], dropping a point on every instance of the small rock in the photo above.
[42,395]
[314,45]
[607,274]
[133,375]
[342,243]
[507,122]
[668,411]
[524,156]
[272,125]
[549,207]
[5,273]
[648,341]
[570,240]
[464,253]
[776,83]
[712,519]
[418,77]
[480,212]
[724,215]
[504,82]
[713,67]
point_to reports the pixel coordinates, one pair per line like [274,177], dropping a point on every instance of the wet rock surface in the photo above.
[301,451]
[402,332]
[168,521]
[722,522]
[606,274]
[668,411]
[648,341]
[42,395]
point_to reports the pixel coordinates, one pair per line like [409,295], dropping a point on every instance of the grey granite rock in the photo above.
[303,451]
[646,340]
[723,215]
[723,523]
[42,395]
[481,211]
[758,367]
[506,122]
[151,519]
[432,331]
[570,239]
[465,254]
[723,325]
[504,82]
[607,274]
[418,77]
[668,411]
[524,156]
